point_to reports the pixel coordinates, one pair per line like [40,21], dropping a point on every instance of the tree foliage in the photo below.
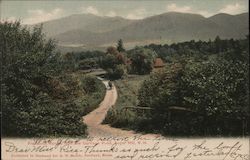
[201,91]
[114,63]
[74,61]
[142,60]
[215,90]
[30,62]
[120,46]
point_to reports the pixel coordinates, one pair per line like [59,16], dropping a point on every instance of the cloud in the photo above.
[90,10]
[232,9]
[111,14]
[39,15]
[137,14]
[186,9]
[174,8]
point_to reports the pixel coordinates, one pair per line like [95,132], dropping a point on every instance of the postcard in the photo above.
[124,80]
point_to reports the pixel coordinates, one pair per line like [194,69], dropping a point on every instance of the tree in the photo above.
[120,47]
[112,50]
[113,63]
[89,84]
[89,63]
[69,61]
[218,43]
[119,71]
[142,60]
[29,62]
[109,61]
[215,90]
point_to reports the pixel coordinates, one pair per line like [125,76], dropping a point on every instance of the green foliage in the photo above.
[161,89]
[121,118]
[90,63]
[127,89]
[216,84]
[120,47]
[90,84]
[203,91]
[216,90]
[109,61]
[170,53]
[119,71]
[95,90]
[114,63]
[38,100]
[43,118]
[74,61]
[142,60]
[219,91]
[69,62]
[23,50]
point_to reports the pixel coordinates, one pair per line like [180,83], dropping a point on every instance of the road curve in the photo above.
[94,119]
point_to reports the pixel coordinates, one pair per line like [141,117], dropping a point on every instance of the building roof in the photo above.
[158,63]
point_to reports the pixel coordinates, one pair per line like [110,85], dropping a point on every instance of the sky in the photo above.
[36,11]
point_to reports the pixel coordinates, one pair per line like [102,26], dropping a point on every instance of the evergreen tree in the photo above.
[217,42]
[120,47]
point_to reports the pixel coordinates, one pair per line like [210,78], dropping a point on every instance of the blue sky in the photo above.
[35,11]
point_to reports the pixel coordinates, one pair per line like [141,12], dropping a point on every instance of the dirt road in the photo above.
[94,119]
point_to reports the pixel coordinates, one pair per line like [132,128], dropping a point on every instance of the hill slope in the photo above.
[87,22]
[91,31]
[234,26]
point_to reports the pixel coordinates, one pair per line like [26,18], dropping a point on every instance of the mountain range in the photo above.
[87,31]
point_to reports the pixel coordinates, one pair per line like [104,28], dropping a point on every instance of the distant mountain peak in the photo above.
[221,15]
[178,14]
[169,27]
[228,15]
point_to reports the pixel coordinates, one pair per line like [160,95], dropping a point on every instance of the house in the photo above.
[158,63]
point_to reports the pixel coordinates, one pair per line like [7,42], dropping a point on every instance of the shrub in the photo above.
[142,60]
[215,90]
[30,67]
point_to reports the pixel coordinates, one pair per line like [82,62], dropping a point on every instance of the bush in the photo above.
[90,84]
[73,61]
[114,64]
[119,71]
[142,60]
[95,90]
[88,64]
[121,118]
[43,118]
[30,106]
[203,91]
[215,90]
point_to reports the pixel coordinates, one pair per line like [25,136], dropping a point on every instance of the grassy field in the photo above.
[127,97]
[128,89]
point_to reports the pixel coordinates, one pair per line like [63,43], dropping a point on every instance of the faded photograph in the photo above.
[121,68]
